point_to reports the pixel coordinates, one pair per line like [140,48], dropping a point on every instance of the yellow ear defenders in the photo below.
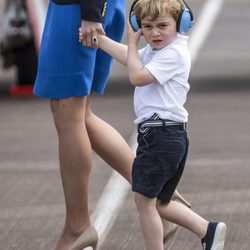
[183,24]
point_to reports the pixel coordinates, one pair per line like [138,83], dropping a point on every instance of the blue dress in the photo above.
[65,67]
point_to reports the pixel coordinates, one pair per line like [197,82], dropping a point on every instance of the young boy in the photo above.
[160,74]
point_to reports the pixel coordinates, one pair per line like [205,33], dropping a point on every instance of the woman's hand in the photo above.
[88,33]
[132,36]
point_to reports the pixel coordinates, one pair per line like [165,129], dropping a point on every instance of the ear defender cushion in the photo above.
[136,25]
[184,22]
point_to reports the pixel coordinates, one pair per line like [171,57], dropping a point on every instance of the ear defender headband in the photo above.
[183,24]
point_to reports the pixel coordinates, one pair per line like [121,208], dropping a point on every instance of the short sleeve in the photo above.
[164,66]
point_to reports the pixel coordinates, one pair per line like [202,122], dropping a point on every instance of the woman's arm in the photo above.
[92,13]
[93,10]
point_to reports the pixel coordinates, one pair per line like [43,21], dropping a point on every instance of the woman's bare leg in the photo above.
[109,144]
[75,164]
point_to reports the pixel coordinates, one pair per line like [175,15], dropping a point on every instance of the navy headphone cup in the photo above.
[185,22]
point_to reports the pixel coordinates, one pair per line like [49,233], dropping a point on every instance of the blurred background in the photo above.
[216,179]
[226,44]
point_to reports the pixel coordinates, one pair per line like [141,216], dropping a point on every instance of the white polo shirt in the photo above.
[166,97]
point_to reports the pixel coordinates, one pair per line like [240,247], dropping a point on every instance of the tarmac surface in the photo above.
[216,178]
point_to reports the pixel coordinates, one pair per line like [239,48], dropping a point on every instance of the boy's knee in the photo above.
[161,205]
[143,202]
[137,201]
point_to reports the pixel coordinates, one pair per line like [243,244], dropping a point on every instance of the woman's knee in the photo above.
[67,112]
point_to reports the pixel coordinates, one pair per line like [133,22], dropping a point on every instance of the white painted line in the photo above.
[204,23]
[111,200]
[117,188]
[109,204]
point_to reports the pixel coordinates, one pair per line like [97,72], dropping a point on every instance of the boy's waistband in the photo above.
[156,121]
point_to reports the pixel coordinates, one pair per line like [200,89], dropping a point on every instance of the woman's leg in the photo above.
[109,144]
[151,223]
[75,164]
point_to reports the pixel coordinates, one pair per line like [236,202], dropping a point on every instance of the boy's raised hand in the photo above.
[133,37]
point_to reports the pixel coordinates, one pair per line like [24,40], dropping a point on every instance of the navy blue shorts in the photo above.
[160,161]
[65,67]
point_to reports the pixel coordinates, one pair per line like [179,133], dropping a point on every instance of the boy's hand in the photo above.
[132,36]
[88,33]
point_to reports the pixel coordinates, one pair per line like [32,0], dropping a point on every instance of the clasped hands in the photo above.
[89,32]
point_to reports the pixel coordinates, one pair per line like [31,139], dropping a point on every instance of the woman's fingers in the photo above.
[88,33]
[89,41]
[94,41]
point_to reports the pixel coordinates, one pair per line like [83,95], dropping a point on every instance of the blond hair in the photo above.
[152,9]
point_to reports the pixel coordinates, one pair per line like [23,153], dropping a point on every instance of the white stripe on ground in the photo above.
[111,200]
[203,25]
[117,188]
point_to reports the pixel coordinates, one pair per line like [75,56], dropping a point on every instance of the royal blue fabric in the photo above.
[65,67]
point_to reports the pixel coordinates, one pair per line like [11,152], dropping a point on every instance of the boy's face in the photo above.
[159,32]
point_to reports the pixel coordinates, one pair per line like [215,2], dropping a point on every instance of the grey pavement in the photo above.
[216,178]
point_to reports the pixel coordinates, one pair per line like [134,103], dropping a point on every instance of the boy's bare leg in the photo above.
[183,216]
[151,223]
